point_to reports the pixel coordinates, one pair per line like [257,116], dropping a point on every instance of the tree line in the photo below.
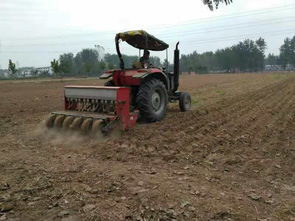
[286,56]
[87,63]
[246,56]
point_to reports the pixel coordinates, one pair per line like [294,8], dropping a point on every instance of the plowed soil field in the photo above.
[231,158]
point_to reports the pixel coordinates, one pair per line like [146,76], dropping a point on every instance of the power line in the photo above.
[173,34]
[235,15]
[237,37]
[189,22]
[227,28]
[191,42]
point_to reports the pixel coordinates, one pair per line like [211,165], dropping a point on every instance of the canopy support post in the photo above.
[118,52]
[146,41]
[167,60]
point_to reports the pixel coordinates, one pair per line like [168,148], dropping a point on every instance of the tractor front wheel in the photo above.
[152,100]
[185,101]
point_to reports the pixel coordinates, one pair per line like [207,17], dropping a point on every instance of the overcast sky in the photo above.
[33,32]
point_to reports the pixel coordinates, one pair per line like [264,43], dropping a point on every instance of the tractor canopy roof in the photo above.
[142,40]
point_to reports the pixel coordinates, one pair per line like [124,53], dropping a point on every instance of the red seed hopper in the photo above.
[94,109]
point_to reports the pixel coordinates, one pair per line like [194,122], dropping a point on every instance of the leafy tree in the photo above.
[198,63]
[212,3]
[247,55]
[66,64]
[224,60]
[201,69]
[287,52]
[155,61]
[166,64]
[112,60]
[272,59]
[12,69]
[102,65]
[55,66]
[292,58]
[261,45]
[129,60]
[110,66]
[86,62]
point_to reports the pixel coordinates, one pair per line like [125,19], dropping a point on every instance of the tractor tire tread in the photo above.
[143,102]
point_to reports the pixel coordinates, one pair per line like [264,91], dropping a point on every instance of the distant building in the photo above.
[279,68]
[273,68]
[34,72]
[45,69]
[25,72]
[4,73]
[290,67]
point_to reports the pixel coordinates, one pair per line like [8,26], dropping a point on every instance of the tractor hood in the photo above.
[142,40]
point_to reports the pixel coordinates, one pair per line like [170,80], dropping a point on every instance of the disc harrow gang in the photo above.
[85,125]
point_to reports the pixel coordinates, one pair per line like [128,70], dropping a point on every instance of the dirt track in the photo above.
[231,158]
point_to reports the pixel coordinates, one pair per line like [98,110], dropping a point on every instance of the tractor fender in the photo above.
[157,75]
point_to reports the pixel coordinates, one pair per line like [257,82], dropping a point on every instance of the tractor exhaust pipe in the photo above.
[176,68]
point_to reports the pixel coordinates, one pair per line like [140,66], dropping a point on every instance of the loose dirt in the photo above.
[230,158]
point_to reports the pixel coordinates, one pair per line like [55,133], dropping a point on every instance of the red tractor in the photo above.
[142,92]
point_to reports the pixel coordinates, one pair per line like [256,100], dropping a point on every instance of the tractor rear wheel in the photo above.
[185,101]
[152,100]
